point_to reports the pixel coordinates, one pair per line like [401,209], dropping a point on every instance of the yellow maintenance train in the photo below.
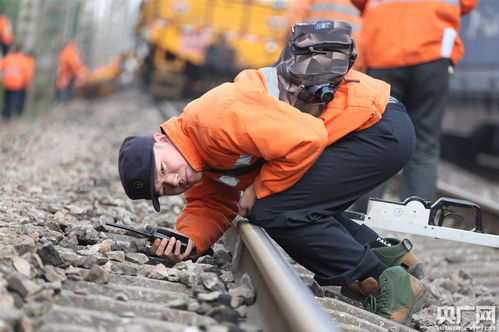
[197,44]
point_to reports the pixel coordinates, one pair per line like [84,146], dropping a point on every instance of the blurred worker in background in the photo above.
[30,62]
[71,71]
[307,10]
[6,34]
[15,76]
[289,146]
[413,46]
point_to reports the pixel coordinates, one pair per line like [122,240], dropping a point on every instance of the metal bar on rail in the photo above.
[298,305]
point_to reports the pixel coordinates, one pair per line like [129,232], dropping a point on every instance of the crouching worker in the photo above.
[290,146]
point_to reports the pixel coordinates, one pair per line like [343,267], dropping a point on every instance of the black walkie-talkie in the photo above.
[153,233]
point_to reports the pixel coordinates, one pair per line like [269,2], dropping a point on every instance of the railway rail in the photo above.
[489,208]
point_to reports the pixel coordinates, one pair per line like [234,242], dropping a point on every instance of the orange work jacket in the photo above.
[306,10]
[69,66]
[398,33]
[14,71]
[6,34]
[236,123]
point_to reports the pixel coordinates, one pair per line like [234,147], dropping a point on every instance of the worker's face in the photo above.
[174,175]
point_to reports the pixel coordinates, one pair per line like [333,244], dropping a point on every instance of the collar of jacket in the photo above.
[173,128]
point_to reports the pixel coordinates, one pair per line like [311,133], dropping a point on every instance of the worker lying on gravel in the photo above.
[253,148]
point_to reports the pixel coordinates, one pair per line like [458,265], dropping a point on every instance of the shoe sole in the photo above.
[418,304]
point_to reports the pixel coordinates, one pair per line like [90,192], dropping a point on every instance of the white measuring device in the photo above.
[417,216]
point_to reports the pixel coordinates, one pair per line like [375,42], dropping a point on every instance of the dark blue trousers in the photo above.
[66,93]
[5,48]
[13,102]
[307,220]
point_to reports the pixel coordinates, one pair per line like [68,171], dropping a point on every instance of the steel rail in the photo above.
[284,302]
[489,208]
[446,189]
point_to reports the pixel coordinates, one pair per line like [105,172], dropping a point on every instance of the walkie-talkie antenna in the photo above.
[131,229]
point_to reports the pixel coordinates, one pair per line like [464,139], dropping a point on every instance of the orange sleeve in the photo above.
[6,34]
[8,37]
[360,4]
[209,211]
[468,5]
[289,140]
[76,65]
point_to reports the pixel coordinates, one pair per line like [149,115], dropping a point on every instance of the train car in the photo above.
[197,44]
[471,124]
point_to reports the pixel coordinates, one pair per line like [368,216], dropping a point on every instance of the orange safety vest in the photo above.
[69,66]
[235,124]
[398,33]
[305,10]
[14,71]
[6,34]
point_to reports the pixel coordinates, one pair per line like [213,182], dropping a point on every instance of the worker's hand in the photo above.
[170,248]
[247,201]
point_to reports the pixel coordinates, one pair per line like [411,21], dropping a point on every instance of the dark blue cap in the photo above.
[137,168]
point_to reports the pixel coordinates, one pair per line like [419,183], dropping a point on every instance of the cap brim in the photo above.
[154,195]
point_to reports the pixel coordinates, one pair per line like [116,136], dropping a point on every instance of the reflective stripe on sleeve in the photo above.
[270,74]
[448,38]
[229,180]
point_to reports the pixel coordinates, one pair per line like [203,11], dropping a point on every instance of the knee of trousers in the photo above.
[259,215]
[367,262]
[264,217]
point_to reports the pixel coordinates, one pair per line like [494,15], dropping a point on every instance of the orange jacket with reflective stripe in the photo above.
[398,33]
[14,71]
[236,123]
[70,65]
[6,34]
[305,10]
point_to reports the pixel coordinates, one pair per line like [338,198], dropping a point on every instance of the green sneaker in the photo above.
[398,296]
[400,254]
